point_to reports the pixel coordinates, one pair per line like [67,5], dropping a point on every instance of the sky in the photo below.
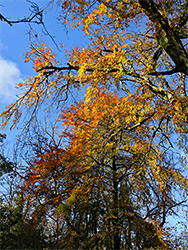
[15,41]
[13,44]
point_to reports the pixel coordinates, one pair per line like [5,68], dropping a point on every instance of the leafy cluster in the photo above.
[113,173]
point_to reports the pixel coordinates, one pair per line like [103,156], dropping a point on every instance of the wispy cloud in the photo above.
[9,76]
[3,46]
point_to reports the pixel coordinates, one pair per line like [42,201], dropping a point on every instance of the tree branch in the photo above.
[2,18]
[157,54]
[163,73]
[167,37]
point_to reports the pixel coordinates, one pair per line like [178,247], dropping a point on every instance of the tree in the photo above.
[45,187]
[18,229]
[94,182]
[118,169]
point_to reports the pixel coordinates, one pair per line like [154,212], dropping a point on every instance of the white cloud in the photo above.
[9,76]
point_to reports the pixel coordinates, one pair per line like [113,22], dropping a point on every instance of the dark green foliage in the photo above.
[5,165]
[17,232]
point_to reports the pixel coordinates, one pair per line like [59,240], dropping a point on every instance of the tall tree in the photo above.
[110,187]
[119,160]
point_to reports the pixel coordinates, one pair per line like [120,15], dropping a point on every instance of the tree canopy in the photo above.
[116,168]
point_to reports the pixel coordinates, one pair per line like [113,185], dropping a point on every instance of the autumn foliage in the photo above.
[118,173]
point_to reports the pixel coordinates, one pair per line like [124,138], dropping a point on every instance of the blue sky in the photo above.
[14,42]
[13,45]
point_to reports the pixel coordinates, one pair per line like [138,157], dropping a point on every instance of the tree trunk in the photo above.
[115,207]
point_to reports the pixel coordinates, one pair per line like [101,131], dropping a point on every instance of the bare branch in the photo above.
[164,73]
[2,18]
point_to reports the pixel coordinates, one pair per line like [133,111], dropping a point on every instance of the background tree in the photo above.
[18,229]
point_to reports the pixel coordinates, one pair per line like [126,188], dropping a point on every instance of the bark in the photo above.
[115,207]
[168,37]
